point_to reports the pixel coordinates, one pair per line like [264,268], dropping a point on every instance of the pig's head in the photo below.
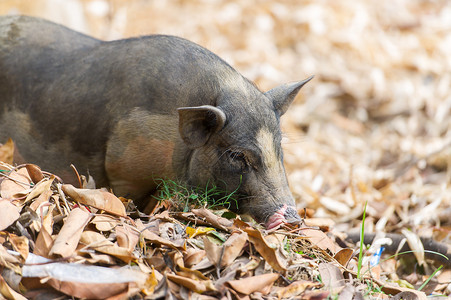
[236,145]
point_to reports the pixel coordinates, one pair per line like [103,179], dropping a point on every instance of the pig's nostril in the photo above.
[291,216]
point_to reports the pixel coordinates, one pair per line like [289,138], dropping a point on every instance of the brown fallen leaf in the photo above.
[198,286]
[9,261]
[67,240]
[271,253]
[97,241]
[320,239]
[84,281]
[104,222]
[214,220]
[156,239]
[249,285]
[344,256]
[41,187]
[97,198]
[193,256]
[17,182]
[38,202]
[8,292]
[10,213]
[213,251]
[232,247]
[7,151]
[20,244]
[331,276]
[44,241]
[296,288]
[127,236]
[35,173]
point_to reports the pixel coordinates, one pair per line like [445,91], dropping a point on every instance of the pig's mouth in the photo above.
[285,214]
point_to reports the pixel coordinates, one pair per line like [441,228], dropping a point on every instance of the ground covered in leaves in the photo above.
[374,126]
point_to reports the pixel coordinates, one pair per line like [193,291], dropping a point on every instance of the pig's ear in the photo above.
[283,95]
[197,124]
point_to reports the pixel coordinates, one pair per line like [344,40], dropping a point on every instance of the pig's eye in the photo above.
[238,159]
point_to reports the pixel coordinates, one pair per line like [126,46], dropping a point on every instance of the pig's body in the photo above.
[134,110]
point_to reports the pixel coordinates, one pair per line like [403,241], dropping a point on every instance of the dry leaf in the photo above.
[105,222]
[232,248]
[96,198]
[44,241]
[344,256]
[271,253]
[17,182]
[35,173]
[41,187]
[192,232]
[415,244]
[249,285]
[20,244]
[331,276]
[9,213]
[67,240]
[127,237]
[193,256]
[83,281]
[214,220]
[98,242]
[8,292]
[296,288]
[198,286]
[154,238]
[320,239]
[8,260]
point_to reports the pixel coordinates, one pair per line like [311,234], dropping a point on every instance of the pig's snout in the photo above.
[285,214]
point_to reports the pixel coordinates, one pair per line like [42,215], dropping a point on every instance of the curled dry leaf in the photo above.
[67,240]
[344,256]
[249,285]
[415,244]
[97,198]
[271,253]
[35,173]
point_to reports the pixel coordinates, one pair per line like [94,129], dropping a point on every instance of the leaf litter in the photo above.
[374,127]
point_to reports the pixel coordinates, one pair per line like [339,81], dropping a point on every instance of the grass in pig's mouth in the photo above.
[185,197]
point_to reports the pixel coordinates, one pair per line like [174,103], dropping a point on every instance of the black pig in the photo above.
[133,110]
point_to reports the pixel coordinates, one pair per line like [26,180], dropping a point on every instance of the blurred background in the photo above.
[374,124]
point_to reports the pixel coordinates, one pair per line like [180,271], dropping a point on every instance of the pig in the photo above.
[135,110]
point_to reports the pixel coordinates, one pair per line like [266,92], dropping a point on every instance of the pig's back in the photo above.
[31,52]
